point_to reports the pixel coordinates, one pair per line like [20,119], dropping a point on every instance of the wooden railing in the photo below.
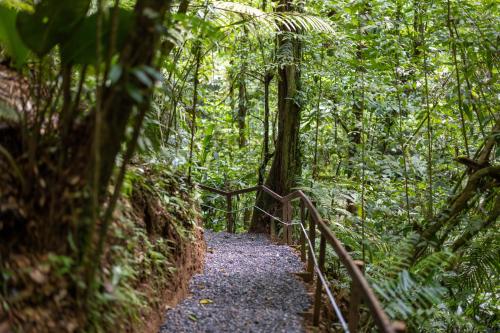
[360,288]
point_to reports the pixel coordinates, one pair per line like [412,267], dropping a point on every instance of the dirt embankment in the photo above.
[188,256]
[155,245]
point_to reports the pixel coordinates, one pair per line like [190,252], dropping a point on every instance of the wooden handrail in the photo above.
[213,189]
[271,192]
[360,285]
[356,275]
[245,190]
[292,196]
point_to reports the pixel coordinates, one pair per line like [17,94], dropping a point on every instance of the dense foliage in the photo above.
[397,104]
[395,108]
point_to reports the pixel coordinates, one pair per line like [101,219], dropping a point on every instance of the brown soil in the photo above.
[189,262]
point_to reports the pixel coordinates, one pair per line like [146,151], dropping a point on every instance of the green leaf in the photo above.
[115,73]
[8,113]
[153,73]
[9,38]
[143,77]
[52,23]
[17,5]
[81,47]
[135,94]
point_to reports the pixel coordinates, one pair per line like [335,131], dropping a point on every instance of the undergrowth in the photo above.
[441,291]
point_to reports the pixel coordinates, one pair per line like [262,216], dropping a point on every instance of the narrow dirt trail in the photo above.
[247,286]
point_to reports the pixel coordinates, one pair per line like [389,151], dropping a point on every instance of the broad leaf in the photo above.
[52,23]
[81,48]
[9,38]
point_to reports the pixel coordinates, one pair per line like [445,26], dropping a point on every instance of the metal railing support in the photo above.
[319,286]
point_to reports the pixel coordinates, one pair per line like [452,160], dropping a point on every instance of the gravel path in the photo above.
[247,286]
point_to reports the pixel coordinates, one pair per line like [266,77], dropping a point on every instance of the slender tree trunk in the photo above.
[430,172]
[315,168]
[116,105]
[193,109]
[266,155]
[242,108]
[418,29]
[357,109]
[232,100]
[457,73]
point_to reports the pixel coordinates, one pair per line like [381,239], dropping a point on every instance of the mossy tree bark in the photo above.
[286,165]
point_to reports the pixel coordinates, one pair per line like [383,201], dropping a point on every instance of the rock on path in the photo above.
[247,286]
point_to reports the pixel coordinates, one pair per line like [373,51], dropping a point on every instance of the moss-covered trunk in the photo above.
[286,164]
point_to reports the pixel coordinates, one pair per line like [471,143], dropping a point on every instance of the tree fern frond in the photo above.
[431,264]
[395,259]
[290,21]
[479,270]
[406,296]
[238,8]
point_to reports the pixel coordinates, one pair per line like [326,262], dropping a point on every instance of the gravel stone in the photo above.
[248,286]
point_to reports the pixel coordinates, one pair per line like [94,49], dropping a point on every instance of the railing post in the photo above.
[354,302]
[319,286]
[229,214]
[287,218]
[273,229]
[289,227]
[301,232]
[312,238]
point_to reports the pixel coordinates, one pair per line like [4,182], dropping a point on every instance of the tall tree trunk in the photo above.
[286,166]
[232,101]
[418,29]
[242,107]
[453,43]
